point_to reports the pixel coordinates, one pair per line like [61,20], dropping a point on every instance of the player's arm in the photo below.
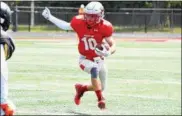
[111,43]
[58,22]
[106,51]
[8,43]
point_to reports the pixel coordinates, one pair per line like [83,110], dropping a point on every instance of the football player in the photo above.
[7,48]
[92,29]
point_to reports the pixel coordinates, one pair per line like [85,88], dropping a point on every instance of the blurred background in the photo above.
[126,16]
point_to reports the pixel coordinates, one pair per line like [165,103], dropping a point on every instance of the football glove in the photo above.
[104,52]
[9,47]
[46,13]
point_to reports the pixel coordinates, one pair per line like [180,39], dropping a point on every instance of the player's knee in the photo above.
[94,72]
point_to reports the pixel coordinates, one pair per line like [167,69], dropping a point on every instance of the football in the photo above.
[99,46]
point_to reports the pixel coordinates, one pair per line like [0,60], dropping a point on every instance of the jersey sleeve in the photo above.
[108,29]
[75,23]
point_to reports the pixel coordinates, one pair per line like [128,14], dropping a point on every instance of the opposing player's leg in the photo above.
[7,107]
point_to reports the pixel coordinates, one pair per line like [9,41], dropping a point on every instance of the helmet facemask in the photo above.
[5,21]
[94,13]
[91,19]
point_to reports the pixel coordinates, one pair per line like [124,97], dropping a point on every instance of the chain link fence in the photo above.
[125,20]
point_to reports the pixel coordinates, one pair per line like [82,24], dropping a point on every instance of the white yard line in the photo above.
[111,94]
[116,94]
[76,65]
[118,80]
[142,96]
[42,64]
[148,81]
[44,112]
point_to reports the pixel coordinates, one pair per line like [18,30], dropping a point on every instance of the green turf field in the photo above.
[144,78]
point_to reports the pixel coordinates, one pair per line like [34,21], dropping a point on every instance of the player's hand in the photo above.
[46,13]
[9,46]
[105,52]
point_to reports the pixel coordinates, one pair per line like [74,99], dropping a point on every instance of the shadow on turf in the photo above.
[78,113]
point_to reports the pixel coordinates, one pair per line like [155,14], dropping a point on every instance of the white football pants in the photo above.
[4,77]
[87,65]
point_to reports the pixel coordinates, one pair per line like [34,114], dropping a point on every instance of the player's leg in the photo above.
[103,80]
[93,69]
[86,66]
[103,76]
[6,106]
[98,91]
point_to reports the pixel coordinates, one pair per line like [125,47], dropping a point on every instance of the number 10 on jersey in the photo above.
[89,43]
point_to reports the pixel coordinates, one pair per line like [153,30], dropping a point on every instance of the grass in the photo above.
[144,79]
[41,28]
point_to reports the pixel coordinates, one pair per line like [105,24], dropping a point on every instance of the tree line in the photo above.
[109,5]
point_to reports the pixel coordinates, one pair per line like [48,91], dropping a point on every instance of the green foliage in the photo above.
[174,4]
[107,4]
[148,4]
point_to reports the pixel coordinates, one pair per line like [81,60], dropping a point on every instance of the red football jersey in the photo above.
[89,38]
